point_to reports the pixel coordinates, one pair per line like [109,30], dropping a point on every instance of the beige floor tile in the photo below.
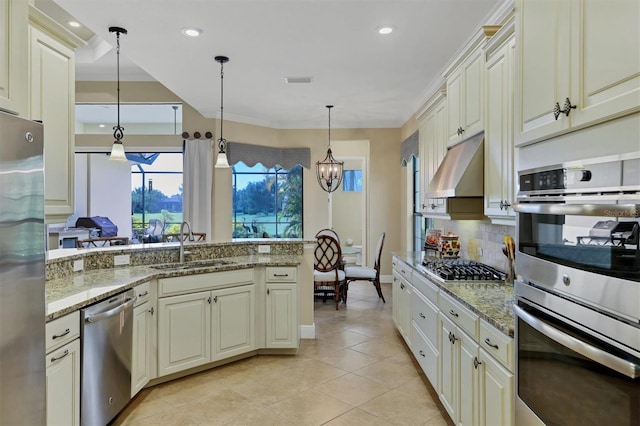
[310,408]
[174,417]
[220,408]
[260,417]
[380,348]
[388,372]
[357,417]
[439,420]
[415,387]
[347,359]
[144,405]
[270,388]
[402,409]
[344,338]
[353,389]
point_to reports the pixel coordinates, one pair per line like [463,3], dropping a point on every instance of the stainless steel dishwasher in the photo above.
[107,330]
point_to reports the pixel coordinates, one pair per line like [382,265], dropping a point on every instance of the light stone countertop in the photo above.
[491,301]
[70,293]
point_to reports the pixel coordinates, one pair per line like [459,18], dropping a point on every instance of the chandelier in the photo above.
[329,170]
[222,161]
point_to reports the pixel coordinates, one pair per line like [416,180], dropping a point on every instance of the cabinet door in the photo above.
[233,321]
[13,55]
[499,170]
[449,367]
[496,392]
[473,97]
[605,54]
[543,67]
[282,316]
[141,348]
[63,385]
[52,100]
[469,412]
[455,105]
[184,332]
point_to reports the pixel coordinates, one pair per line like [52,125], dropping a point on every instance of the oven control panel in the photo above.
[543,181]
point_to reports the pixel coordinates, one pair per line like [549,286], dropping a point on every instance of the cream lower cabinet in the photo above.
[145,331]
[401,297]
[282,307]
[204,318]
[63,370]
[496,392]
[425,332]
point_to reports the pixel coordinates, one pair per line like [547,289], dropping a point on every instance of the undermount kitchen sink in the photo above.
[192,265]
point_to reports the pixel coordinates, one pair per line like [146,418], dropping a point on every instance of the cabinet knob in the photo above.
[504,205]
[556,111]
[476,363]
[433,206]
[209,299]
[568,107]
[151,311]
[268,291]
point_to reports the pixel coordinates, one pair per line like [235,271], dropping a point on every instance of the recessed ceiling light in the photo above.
[74,24]
[298,79]
[192,32]
[384,30]
[100,125]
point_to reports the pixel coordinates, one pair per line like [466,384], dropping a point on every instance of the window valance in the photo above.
[410,148]
[268,156]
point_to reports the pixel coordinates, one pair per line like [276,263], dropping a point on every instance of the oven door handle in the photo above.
[611,210]
[620,365]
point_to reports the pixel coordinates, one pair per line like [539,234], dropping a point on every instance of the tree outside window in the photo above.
[267,203]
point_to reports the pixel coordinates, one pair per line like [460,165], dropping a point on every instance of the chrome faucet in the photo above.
[182,252]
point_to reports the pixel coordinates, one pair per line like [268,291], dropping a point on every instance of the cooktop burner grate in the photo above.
[462,270]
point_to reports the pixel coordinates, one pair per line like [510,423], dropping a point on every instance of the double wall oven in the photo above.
[578,293]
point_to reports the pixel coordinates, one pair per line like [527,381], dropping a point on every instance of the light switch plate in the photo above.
[264,248]
[78,265]
[122,259]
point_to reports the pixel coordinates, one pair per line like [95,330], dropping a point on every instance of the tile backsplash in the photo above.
[476,234]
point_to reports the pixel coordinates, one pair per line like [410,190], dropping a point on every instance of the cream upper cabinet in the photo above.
[52,100]
[433,144]
[499,169]
[465,92]
[578,64]
[13,55]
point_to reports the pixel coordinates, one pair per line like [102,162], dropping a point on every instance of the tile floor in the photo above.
[357,371]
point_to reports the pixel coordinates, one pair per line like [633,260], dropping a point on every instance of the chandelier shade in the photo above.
[117,150]
[222,162]
[329,170]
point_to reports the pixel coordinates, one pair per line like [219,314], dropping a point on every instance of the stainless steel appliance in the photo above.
[462,270]
[22,259]
[107,331]
[578,297]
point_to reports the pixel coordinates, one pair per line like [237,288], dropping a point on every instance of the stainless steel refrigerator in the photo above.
[22,259]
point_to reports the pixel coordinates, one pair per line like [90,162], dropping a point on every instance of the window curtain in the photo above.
[410,148]
[268,156]
[197,174]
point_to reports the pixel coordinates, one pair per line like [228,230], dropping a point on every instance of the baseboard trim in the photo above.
[308,331]
[386,278]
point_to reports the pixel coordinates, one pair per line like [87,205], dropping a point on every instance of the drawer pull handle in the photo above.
[280,275]
[453,313]
[422,315]
[476,363]
[143,294]
[421,353]
[488,342]
[57,358]
[57,336]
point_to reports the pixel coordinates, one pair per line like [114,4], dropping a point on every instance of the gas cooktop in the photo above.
[462,270]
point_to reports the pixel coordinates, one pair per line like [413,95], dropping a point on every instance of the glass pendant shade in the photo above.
[117,152]
[222,162]
[329,170]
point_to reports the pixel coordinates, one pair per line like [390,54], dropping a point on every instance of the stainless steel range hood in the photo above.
[459,181]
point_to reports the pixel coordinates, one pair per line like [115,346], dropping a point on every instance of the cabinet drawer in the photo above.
[62,330]
[201,282]
[426,355]
[460,315]
[425,316]
[497,344]
[282,274]
[142,292]
[426,287]
[403,269]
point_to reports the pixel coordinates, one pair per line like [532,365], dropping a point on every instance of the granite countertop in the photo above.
[68,294]
[491,301]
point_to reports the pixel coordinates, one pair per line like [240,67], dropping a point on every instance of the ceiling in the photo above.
[374,81]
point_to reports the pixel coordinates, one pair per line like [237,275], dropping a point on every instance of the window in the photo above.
[267,203]
[352,180]
[419,222]
[136,118]
[156,194]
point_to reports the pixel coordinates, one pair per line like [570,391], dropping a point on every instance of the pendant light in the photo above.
[329,170]
[222,161]
[117,150]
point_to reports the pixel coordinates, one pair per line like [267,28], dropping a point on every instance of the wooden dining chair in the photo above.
[363,273]
[328,277]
